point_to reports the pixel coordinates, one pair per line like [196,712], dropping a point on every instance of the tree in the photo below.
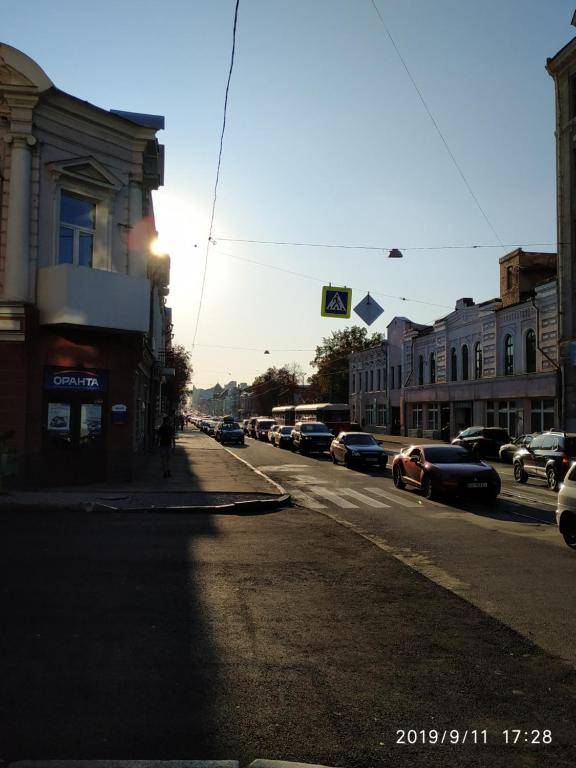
[330,382]
[178,358]
[276,386]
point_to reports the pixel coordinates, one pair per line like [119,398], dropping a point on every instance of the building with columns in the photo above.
[83,323]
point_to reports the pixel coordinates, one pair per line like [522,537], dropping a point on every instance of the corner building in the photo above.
[84,329]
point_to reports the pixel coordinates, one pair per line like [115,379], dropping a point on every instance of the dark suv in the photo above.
[548,457]
[309,436]
[483,441]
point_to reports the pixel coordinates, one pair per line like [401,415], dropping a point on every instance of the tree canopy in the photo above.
[330,382]
[276,386]
[178,358]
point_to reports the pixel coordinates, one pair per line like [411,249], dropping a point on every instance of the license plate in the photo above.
[477,485]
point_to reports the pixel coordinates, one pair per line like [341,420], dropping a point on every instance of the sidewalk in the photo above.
[403,441]
[204,476]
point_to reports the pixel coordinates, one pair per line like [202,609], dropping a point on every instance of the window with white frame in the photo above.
[77,229]
[416,417]
[505,414]
[433,417]
[381,415]
[369,414]
[543,415]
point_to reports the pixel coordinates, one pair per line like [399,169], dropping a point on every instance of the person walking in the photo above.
[166,440]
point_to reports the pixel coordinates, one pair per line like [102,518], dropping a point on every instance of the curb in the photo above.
[236,507]
[257,471]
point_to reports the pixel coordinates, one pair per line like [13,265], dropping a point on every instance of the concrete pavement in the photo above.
[204,476]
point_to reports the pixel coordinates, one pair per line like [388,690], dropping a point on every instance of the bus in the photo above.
[336,416]
[284,414]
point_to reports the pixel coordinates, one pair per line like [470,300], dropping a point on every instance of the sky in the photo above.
[327,141]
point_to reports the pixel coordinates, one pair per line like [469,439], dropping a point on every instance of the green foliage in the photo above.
[330,382]
[276,386]
[179,359]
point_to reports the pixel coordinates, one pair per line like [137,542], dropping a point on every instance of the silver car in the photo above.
[566,510]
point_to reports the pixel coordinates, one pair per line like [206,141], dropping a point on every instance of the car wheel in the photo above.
[397,476]
[519,474]
[569,533]
[427,487]
[552,479]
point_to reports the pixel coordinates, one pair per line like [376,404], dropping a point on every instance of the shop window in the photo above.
[477,361]
[531,351]
[433,417]
[490,414]
[420,370]
[465,362]
[543,415]
[77,230]
[381,417]
[416,417]
[508,416]
[370,415]
[453,365]
[432,368]
[508,356]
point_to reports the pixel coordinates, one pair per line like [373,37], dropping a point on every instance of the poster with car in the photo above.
[58,417]
[90,420]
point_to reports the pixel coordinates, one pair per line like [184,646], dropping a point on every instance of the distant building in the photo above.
[84,327]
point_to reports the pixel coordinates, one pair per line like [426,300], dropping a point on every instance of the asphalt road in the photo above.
[322,635]
[508,559]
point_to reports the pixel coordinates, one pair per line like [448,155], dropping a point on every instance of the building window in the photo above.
[77,230]
[420,370]
[432,368]
[509,277]
[508,416]
[372,380]
[359,381]
[530,351]
[508,356]
[379,381]
[453,365]
[392,377]
[399,377]
[370,414]
[543,415]
[477,361]
[433,417]
[465,362]
[353,382]
[490,415]
[381,415]
[416,417]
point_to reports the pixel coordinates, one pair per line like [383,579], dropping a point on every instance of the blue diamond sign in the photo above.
[368,309]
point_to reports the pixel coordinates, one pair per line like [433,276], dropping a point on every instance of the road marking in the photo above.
[307,480]
[333,497]
[393,497]
[304,500]
[283,467]
[364,499]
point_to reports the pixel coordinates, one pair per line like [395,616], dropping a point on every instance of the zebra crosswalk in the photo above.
[315,493]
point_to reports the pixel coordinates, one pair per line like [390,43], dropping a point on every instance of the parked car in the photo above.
[548,457]
[566,510]
[229,432]
[283,436]
[274,428]
[445,469]
[211,427]
[311,436]
[261,428]
[484,442]
[357,448]
[252,425]
[508,450]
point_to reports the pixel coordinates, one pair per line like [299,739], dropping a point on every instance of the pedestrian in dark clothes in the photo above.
[166,437]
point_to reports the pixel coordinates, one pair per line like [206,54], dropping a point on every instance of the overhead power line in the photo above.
[434,122]
[384,248]
[321,280]
[213,212]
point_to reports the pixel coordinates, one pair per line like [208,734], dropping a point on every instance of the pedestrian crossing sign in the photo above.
[336,302]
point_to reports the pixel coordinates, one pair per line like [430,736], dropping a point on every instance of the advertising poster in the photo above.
[90,420]
[58,417]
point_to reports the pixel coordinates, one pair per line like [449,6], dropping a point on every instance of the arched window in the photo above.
[465,362]
[530,351]
[508,356]
[432,368]
[477,361]
[420,370]
[453,365]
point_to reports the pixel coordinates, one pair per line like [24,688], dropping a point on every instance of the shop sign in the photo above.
[74,380]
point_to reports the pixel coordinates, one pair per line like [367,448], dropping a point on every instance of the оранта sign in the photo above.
[74,380]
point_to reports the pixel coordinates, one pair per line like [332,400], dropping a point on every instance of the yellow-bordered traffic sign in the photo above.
[336,302]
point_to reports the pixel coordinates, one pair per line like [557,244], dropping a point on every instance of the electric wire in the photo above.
[213,212]
[434,122]
[383,247]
